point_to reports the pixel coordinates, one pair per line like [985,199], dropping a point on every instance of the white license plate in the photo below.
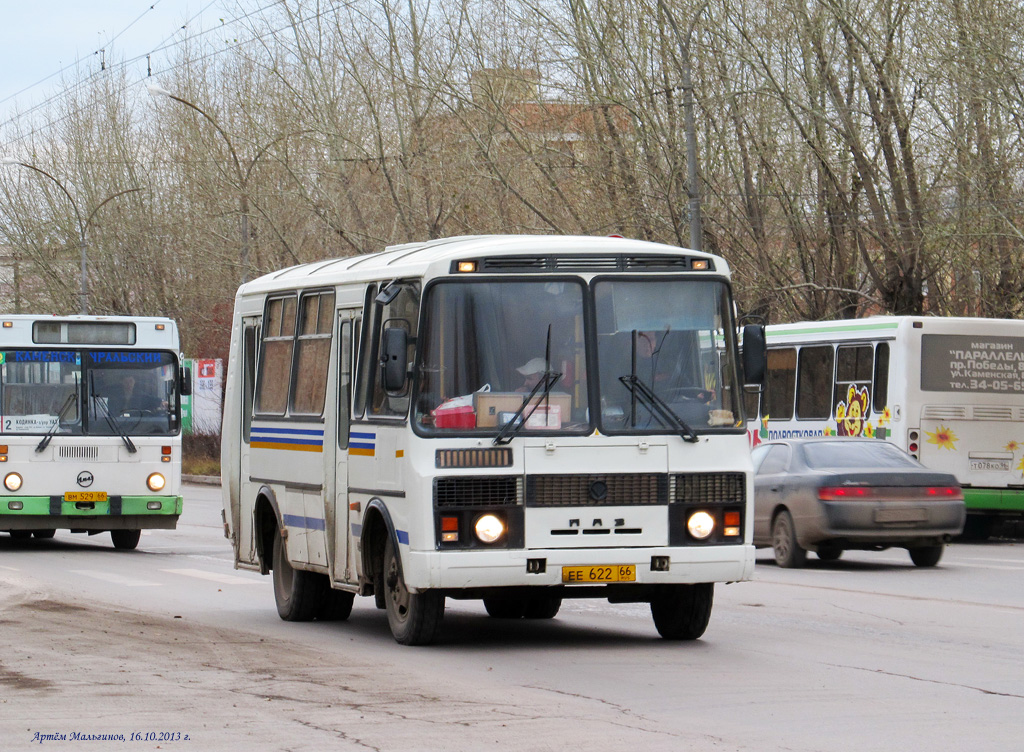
[914,514]
[990,466]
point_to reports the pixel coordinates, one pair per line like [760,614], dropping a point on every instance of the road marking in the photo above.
[10,569]
[224,579]
[117,579]
[1018,562]
[1018,568]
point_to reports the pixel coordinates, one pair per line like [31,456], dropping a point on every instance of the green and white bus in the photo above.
[90,425]
[950,391]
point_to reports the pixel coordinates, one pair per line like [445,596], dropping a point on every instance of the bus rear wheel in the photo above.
[414,618]
[682,612]
[298,594]
[125,540]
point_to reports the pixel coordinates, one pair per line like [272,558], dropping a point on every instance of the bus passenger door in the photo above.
[242,522]
[337,512]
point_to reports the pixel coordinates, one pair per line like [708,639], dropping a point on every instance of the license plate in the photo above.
[605,573]
[990,466]
[85,496]
[901,515]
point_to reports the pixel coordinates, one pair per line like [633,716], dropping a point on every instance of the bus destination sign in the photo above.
[967,363]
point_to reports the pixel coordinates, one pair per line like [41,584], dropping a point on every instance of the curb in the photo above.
[204,480]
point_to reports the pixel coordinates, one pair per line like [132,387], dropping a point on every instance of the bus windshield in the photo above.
[670,339]
[127,392]
[487,345]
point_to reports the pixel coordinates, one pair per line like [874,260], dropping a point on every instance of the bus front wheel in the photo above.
[414,618]
[296,592]
[682,612]
[125,540]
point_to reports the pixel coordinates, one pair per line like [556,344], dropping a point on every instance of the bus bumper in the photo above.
[117,513]
[480,569]
[994,500]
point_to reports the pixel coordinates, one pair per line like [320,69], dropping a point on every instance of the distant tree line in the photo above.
[855,156]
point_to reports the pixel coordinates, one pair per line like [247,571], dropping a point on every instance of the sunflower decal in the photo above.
[1021,465]
[1013,446]
[943,438]
[886,417]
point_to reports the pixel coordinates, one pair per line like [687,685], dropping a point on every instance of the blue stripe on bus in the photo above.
[360,445]
[358,435]
[357,530]
[310,523]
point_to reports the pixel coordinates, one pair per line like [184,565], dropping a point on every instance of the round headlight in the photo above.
[12,481]
[156,482]
[700,525]
[489,528]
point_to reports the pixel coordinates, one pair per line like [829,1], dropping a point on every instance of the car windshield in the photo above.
[43,392]
[488,345]
[828,455]
[673,337]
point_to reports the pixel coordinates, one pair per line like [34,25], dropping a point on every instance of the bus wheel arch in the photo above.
[377,528]
[266,522]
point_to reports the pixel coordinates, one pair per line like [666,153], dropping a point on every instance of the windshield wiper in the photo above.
[113,423]
[515,424]
[45,441]
[658,406]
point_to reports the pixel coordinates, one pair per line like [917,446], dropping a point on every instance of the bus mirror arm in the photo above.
[186,381]
[754,354]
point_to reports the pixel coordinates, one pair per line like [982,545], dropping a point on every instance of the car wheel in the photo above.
[682,612]
[505,607]
[298,593]
[788,553]
[414,618]
[543,606]
[926,556]
[829,553]
[125,540]
[335,605]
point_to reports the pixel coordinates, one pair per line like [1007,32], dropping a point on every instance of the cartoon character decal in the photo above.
[851,415]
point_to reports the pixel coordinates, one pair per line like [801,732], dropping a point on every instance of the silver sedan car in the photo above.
[829,495]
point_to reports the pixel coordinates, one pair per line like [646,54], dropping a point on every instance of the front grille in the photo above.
[78,452]
[626,489]
[491,491]
[709,488]
[473,458]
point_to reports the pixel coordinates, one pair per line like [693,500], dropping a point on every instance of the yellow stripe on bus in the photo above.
[362,452]
[292,447]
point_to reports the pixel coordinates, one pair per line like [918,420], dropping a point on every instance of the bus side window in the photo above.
[777,402]
[853,382]
[344,381]
[276,356]
[814,382]
[313,353]
[881,395]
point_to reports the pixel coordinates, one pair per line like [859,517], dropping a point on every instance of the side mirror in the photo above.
[186,381]
[394,346]
[755,354]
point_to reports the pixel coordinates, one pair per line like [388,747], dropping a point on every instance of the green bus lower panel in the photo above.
[116,513]
[994,499]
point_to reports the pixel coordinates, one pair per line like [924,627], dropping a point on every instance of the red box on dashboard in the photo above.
[455,416]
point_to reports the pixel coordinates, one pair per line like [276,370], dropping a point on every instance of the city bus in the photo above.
[90,425]
[950,391]
[510,419]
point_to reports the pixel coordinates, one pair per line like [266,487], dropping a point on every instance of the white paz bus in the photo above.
[950,391]
[90,425]
[513,419]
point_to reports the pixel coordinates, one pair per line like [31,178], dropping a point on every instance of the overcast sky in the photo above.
[41,39]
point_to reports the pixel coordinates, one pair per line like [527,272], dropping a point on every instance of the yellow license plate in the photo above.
[85,496]
[604,573]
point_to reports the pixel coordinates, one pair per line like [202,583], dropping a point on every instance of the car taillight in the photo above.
[844,493]
[944,492]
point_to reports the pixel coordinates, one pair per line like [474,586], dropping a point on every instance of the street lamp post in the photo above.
[242,176]
[83,226]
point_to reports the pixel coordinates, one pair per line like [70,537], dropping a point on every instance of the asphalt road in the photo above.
[171,644]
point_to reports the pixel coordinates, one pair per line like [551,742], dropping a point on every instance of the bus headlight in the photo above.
[489,528]
[12,481]
[700,525]
[156,482]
